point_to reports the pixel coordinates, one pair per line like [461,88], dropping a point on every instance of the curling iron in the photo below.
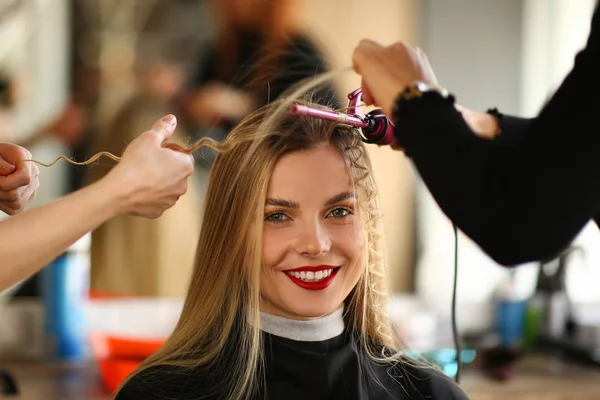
[374,127]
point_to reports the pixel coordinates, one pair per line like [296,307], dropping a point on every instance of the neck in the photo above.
[313,330]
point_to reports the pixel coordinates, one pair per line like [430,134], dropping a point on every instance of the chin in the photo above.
[308,310]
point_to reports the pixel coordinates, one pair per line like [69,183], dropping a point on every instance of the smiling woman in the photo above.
[312,241]
[288,295]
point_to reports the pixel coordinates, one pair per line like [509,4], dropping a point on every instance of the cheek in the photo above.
[274,245]
[351,242]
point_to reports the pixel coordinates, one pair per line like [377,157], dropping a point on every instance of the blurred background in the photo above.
[81,76]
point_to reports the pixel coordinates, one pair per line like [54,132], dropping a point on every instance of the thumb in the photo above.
[165,127]
[426,67]
[6,168]
[366,94]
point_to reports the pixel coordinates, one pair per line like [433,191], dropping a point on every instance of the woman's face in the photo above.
[313,240]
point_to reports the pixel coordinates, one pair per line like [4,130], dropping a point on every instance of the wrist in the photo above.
[486,125]
[418,96]
[482,124]
[117,193]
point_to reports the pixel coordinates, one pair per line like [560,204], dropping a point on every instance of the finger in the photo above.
[426,66]
[150,213]
[14,205]
[357,60]
[14,154]
[181,188]
[35,182]
[32,197]
[7,210]
[165,126]
[29,190]
[369,44]
[175,147]
[24,192]
[10,196]
[35,172]
[366,93]
[30,168]
[15,180]
[185,156]
[6,168]
[362,51]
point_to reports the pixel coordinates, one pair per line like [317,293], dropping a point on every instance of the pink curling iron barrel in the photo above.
[375,126]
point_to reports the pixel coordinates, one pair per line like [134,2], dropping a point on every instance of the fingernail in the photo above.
[170,119]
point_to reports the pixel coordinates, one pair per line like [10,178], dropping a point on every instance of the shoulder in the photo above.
[163,382]
[426,381]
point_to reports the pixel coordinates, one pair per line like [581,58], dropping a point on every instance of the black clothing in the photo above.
[333,369]
[523,197]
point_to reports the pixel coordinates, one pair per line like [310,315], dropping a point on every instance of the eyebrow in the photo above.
[339,197]
[281,203]
[292,204]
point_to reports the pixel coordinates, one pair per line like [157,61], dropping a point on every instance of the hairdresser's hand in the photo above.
[216,102]
[150,177]
[18,179]
[387,70]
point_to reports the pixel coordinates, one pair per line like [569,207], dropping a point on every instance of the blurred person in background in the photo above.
[67,125]
[129,253]
[259,52]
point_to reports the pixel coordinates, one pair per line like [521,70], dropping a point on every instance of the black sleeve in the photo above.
[303,59]
[521,199]
[513,128]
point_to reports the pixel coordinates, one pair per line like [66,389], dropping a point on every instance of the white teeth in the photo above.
[310,276]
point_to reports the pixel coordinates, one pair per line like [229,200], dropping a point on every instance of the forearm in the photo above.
[33,239]
[524,197]
[506,128]
[520,200]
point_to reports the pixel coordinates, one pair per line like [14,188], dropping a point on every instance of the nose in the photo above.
[313,240]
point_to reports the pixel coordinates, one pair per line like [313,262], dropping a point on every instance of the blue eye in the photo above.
[277,217]
[339,212]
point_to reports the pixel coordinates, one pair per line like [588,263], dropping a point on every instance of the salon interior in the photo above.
[82,76]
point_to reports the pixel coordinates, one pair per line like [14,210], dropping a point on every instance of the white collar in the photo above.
[312,330]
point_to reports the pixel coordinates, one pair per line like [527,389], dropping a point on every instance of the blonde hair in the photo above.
[219,327]
[219,324]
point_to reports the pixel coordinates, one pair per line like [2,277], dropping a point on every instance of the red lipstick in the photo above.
[311,268]
[316,285]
